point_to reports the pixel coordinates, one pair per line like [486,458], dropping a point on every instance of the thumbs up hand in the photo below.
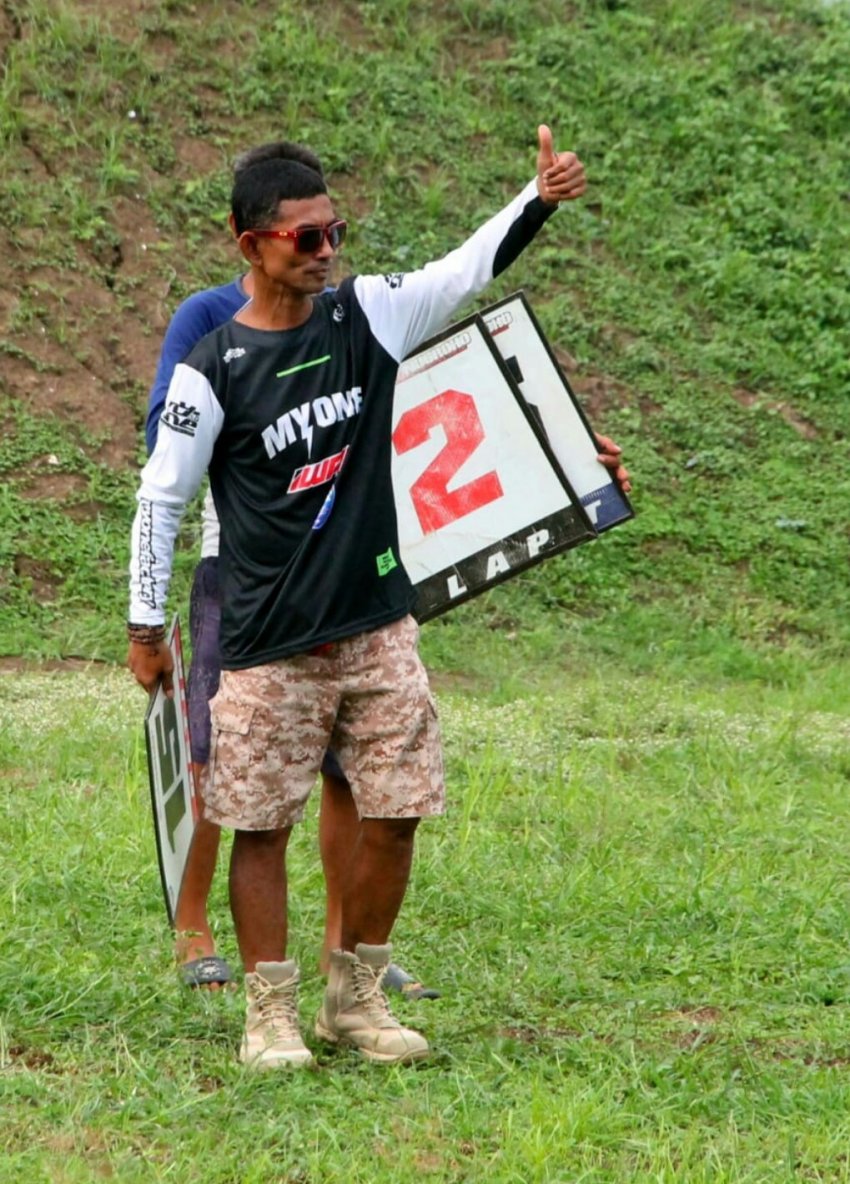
[560,175]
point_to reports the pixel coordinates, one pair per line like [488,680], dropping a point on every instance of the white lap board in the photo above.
[479,495]
[522,344]
[172,788]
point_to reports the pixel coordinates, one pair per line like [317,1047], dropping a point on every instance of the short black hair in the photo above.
[276,150]
[259,190]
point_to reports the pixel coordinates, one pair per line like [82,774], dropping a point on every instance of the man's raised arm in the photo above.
[405,309]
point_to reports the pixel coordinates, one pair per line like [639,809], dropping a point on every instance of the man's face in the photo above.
[305,272]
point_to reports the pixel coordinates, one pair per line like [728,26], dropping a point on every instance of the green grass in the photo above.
[636,908]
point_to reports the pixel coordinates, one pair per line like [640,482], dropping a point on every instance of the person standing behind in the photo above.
[198,315]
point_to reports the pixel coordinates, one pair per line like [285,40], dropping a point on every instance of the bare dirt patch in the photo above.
[802,426]
[597,393]
[13,665]
[39,481]
[8,31]
[528,1035]
[31,1058]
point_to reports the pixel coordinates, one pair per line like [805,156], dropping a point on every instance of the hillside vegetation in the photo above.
[700,291]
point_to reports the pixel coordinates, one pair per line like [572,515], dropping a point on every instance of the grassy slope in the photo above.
[702,285]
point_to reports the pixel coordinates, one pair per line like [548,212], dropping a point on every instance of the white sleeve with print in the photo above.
[403,310]
[190,423]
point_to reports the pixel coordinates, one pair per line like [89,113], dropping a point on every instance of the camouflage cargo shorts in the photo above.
[366,696]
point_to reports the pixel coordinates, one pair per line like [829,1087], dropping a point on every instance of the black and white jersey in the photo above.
[294,427]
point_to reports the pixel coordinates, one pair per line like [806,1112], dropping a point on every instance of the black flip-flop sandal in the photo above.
[396,979]
[207,972]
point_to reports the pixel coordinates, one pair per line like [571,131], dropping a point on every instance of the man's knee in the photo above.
[263,840]
[390,832]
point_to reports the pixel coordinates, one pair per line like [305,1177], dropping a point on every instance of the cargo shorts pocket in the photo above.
[230,748]
[232,717]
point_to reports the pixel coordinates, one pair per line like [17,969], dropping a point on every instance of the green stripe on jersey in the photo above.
[303,366]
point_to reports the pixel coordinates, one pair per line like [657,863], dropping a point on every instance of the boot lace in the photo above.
[277,1005]
[368,991]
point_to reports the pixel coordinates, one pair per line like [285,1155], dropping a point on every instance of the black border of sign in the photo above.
[175,644]
[520,295]
[590,533]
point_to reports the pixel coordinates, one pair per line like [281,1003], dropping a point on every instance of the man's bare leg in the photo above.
[355,1011]
[272,1037]
[378,874]
[194,937]
[258,894]
[338,826]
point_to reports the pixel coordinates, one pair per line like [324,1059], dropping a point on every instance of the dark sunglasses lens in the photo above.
[336,234]
[309,239]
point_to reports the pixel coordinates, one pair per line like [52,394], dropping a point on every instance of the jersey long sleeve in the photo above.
[294,427]
[170,479]
[405,309]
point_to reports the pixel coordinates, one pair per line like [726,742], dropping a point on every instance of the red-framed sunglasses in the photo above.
[308,239]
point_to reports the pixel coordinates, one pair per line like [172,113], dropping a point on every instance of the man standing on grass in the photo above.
[289,406]
[338,822]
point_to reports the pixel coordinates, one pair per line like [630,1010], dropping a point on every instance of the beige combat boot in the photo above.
[355,1010]
[271,1038]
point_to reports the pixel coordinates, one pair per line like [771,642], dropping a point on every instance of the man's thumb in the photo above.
[546,151]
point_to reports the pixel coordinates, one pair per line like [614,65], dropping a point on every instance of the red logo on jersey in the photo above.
[319,473]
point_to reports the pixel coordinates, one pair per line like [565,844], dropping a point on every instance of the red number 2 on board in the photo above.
[436,506]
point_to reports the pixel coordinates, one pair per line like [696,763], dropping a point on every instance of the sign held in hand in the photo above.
[173,798]
[479,493]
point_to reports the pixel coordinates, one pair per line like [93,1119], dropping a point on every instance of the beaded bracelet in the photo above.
[146,634]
